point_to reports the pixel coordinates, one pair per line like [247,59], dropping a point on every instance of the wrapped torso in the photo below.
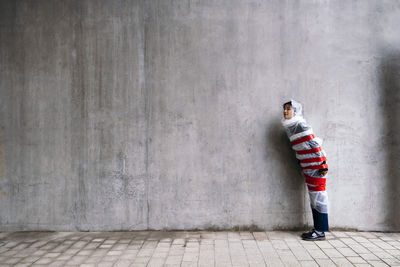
[308,150]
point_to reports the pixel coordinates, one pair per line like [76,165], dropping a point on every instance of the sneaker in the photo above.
[313,235]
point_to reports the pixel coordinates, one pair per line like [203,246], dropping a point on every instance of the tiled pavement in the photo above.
[201,248]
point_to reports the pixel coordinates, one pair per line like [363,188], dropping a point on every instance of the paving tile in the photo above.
[279,244]
[92,245]
[323,244]
[342,262]
[393,252]
[260,236]
[156,263]
[308,245]
[383,245]
[76,260]
[290,261]
[60,248]
[85,252]
[308,264]
[12,260]
[120,246]
[194,264]
[110,241]
[30,259]
[106,246]
[377,263]
[367,234]
[359,248]
[317,254]
[298,250]
[332,252]
[351,233]
[64,257]
[44,261]
[128,256]
[339,234]
[114,253]
[360,239]
[21,265]
[369,257]
[347,252]
[203,248]
[105,264]
[52,254]
[123,263]
[392,261]
[325,262]
[356,259]
[337,243]
[348,240]
[142,260]
[58,264]
[92,260]
[382,255]
[71,251]
[36,253]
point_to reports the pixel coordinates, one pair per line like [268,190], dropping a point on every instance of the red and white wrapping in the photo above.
[311,156]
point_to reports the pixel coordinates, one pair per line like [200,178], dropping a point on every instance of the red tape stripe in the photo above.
[303,139]
[315,180]
[316,188]
[313,160]
[314,150]
[317,167]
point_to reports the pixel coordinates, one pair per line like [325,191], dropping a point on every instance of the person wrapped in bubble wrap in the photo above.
[312,159]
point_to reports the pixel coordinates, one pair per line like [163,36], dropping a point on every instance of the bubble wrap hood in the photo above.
[297,114]
[297,108]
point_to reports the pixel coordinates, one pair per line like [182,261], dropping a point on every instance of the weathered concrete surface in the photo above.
[127,115]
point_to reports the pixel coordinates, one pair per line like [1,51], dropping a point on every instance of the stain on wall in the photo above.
[2,159]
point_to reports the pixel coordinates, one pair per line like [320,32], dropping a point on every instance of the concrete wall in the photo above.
[127,115]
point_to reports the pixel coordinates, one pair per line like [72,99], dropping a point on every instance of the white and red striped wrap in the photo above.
[312,159]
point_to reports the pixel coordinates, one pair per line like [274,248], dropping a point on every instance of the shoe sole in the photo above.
[314,239]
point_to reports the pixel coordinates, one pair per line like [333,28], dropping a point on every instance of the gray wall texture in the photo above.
[129,115]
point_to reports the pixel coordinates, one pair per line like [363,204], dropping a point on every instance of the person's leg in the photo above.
[319,208]
[320,221]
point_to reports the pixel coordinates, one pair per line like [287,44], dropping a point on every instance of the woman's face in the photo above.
[287,111]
